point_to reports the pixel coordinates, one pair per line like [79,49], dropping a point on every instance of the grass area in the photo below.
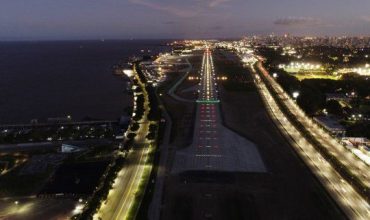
[12,160]
[176,109]
[302,76]
[226,64]
[12,184]
[99,150]
[183,204]
[321,197]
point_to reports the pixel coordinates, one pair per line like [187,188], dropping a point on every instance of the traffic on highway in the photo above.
[122,196]
[350,201]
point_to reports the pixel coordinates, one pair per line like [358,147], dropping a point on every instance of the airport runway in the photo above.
[214,146]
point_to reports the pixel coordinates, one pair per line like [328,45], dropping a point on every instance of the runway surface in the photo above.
[215,147]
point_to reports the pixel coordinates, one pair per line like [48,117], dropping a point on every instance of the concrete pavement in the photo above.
[215,147]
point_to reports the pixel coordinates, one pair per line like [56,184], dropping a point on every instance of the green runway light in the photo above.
[208,101]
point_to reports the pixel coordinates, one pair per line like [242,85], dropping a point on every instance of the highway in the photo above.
[356,166]
[352,204]
[121,198]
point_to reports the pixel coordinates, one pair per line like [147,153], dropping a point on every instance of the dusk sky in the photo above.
[122,19]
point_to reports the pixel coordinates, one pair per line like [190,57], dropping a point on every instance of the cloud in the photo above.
[166,8]
[216,27]
[181,11]
[297,21]
[215,3]
[169,22]
[366,18]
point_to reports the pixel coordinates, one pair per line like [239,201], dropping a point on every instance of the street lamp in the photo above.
[128,72]
[275,75]
[295,94]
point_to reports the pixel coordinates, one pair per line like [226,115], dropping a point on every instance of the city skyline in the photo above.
[144,19]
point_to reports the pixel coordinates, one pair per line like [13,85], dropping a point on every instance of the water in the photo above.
[55,79]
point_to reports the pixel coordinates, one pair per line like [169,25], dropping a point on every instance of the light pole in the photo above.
[295,95]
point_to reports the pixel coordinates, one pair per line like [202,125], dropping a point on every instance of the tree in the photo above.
[333,107]
[311,99]
[135,127]
[131,135]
